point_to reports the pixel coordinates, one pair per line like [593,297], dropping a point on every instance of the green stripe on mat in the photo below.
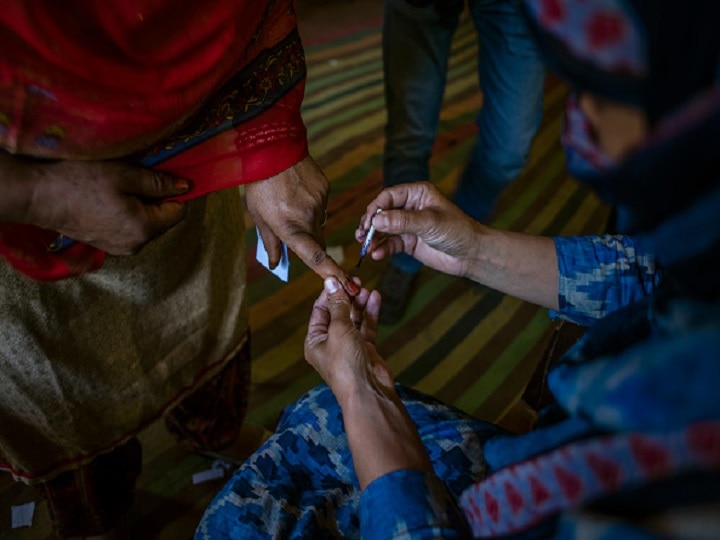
[473,399]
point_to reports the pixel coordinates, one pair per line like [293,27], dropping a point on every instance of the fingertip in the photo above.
[362,296]
[182,185]
[352,288]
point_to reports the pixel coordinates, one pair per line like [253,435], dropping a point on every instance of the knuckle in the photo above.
[401,221]
[158,181]
[319,257]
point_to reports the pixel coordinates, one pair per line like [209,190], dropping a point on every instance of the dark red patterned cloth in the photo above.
[211,418]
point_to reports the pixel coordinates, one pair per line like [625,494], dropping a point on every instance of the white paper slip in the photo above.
[282,270]
[22,515]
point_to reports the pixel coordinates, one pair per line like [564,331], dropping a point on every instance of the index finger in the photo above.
[402,196]
[311,252]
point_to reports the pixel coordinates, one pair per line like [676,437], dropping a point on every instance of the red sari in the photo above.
[210,92]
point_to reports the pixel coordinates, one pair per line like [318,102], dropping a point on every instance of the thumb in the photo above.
[154,184]
[398,222]
[424,223]
[338,301]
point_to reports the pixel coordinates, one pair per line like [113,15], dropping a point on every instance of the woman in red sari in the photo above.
[115,118]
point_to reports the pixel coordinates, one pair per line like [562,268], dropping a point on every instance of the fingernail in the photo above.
[352,287]
[182,185]
[331,285]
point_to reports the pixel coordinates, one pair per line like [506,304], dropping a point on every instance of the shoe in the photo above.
[395,288]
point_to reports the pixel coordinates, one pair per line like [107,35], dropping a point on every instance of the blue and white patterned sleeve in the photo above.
[410,505]
[599,274]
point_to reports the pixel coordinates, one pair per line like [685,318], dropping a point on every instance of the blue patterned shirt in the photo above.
[599,274]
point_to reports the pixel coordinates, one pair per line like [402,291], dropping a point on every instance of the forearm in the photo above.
[381,435]
[517,264]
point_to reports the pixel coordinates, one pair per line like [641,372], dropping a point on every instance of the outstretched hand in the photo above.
[340,343]
[290,208]
[419,220]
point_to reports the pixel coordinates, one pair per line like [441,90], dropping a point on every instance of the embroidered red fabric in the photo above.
[113,79]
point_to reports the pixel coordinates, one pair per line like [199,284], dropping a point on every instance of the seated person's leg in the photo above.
[302,480]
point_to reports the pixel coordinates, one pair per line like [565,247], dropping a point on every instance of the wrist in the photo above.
[477,257]
[357,394]
[373,381]
[381,435]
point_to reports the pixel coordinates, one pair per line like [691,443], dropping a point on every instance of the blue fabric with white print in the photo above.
[301,483]
[599,274]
